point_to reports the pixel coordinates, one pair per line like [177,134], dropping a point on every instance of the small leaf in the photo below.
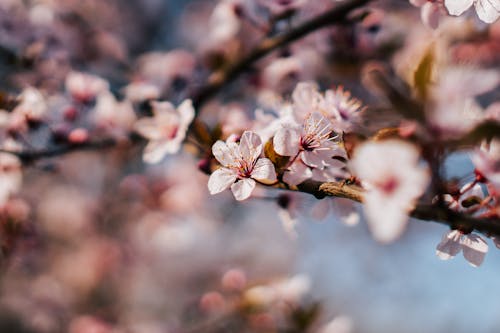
[423,75]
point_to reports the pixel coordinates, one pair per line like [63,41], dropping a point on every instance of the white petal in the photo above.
[220,180]
[450,245]
[264,170]
[386,219]
[148,128]
[243,188]
[314,159]
[488,10]
[250,146]
[225,154]
[474,249]
[297,173]
[430,14]
[155,151]
[286,141]
[305,97]
[186,112]
[457,7]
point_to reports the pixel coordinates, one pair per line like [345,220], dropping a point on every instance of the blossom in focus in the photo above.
[473,247]
[310,146]
[487,10]
[241,166]
[394,180]
[165,130]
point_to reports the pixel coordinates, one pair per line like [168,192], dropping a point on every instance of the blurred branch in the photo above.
[30,156]
[221,78]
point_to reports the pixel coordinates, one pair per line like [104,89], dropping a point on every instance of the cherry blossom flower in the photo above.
[165,130]
[85,87]
[115,118]
[394,179]
[241,166]
[310,146]
[337,105]
[33,106]
[342,109]
[487,10]
[474,247]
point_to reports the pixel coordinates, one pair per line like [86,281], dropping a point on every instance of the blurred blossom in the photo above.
[339,324]
[85,87]
[394,180]
[166,70]
[166,130]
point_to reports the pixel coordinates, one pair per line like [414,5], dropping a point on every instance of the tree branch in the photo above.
[219,79]
[424,212]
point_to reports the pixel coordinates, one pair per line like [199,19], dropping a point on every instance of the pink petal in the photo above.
[286,141]
[250,146]
[457,7]
[155,151]
[243,188]
[386,219]
[220,180]
[488,10]
[305,97]
[430,14]
[316,158]
[474,249]
[450,245]
[148,128]
[298,172]
[264,170]
[186,112]
[223,153]
[418,3]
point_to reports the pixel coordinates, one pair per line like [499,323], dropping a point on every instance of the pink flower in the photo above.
[474,247]
[310,146]
[165,130]
[85,87]
[487,10]
[430,12]
[342,109]
[241,166]
[394,180]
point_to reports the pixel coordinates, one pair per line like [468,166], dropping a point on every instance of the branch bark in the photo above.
[424,212]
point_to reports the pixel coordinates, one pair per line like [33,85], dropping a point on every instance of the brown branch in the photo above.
[428,213]
[220,79]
